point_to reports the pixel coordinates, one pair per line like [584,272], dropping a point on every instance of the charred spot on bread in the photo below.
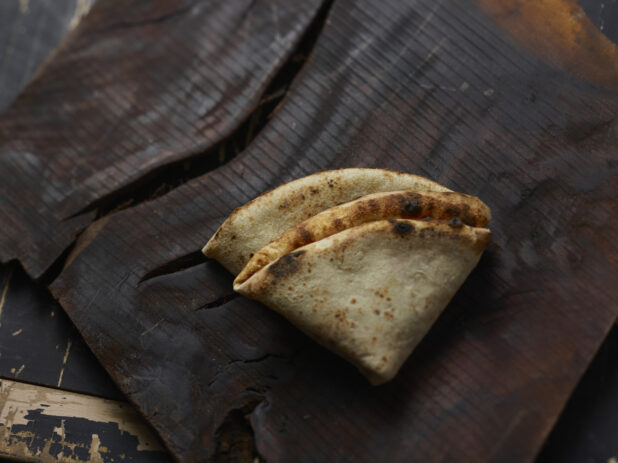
[286,265]
[411,207]
[403,228]
[305,235]
[455,222]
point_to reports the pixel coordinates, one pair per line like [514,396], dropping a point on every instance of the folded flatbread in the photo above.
[371,292]
[362,260]
[466,209]
[254,225]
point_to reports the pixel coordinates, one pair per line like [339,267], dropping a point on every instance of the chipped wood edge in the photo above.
[82,8]
[18,400]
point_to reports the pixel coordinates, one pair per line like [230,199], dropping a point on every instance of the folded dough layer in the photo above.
[395,204]
[371,292]
[254,225]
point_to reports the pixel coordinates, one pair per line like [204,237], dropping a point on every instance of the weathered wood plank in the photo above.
[434,88]
[38,342]
[587,427]
[604,15]
[43,424]
[29,31]
[136,87]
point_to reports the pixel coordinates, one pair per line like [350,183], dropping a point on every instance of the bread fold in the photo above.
[365,276]
[370,293]
[254,225]
[467,209]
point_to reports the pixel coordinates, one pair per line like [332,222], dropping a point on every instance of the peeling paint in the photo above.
[55,425]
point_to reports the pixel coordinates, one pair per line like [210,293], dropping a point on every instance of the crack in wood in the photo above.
[170,176]
[56,267]
[367,114]
[198,161]
[233,362]
[235,436]
[218,302]
[181,263]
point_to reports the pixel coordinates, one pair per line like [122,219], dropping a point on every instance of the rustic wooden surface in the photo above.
[29,31]
[44,424]
[588,427]
[39,344]
[495,371]
[585,430]
[138,87]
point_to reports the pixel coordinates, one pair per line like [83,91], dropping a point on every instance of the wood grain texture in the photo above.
[48,425]
[565,36]
[138,86]
[587,427]
[29,31]
[38,342]
[433,88]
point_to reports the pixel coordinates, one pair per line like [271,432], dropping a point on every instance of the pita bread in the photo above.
[254,225]
[371,292]
[396,204]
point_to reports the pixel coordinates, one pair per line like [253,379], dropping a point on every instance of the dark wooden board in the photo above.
[44,424]
[434,88]
[604,14]
[585,430]
[29,31]
[38,343]
[588,427]
[139,86]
